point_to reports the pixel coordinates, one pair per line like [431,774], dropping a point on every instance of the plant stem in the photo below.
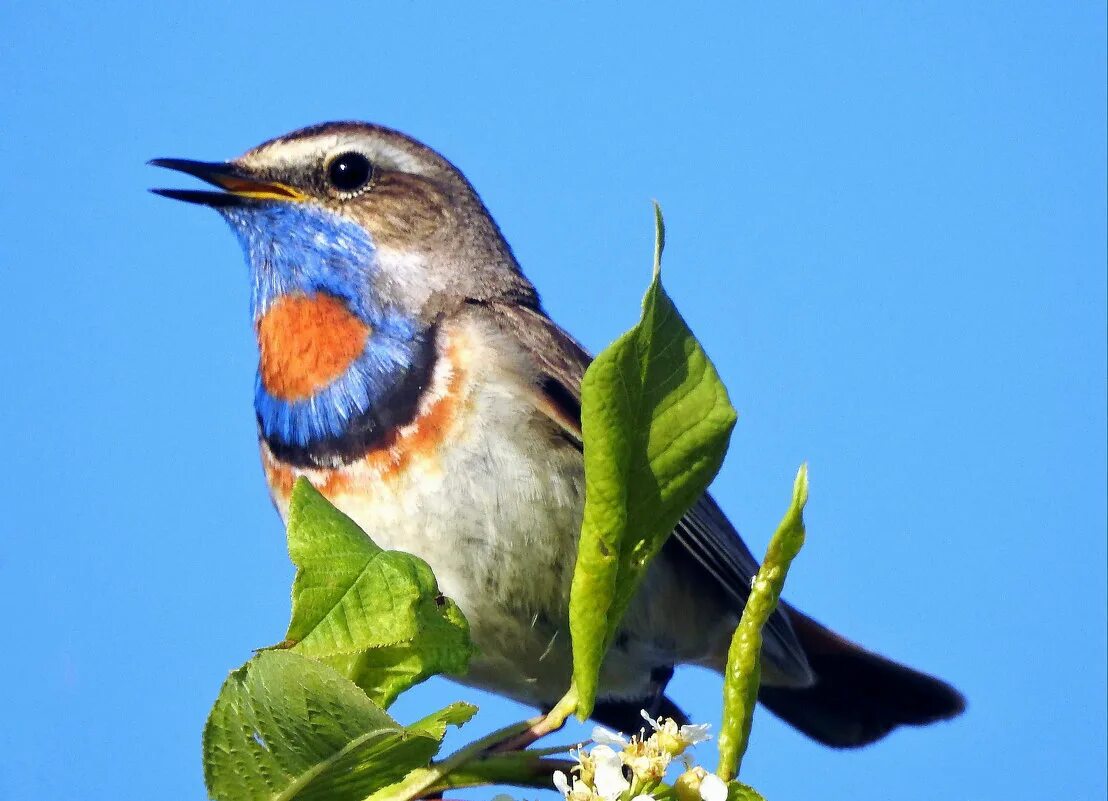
[743,673]
[554,720]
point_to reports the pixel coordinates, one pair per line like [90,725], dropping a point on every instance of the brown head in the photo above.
[436,245]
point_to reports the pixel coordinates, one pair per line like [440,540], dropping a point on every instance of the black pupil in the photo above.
[349,171]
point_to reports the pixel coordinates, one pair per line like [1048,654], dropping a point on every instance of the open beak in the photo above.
[239,188]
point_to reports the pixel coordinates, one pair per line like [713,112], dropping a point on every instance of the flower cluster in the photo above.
[619,768]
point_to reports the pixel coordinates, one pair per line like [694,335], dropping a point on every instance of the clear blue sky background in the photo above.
[887,225]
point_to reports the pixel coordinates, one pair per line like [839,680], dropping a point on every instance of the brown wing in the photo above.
[704,534]
[560,359]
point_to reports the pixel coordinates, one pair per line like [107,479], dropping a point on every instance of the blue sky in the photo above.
[886,224]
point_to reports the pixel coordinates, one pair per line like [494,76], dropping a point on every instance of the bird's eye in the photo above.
[349,172]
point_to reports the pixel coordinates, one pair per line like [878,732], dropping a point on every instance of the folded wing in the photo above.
[704,535]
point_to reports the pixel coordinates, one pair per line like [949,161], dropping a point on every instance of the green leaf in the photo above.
[743,673]
[373,614]
[737,791]
[656,421]
[285,726]
[443,646]
[435,724]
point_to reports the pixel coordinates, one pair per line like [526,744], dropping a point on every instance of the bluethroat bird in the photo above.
[408,370]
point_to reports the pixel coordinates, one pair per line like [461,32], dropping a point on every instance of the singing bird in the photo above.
[408,370]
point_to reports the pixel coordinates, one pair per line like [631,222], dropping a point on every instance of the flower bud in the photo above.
[687,786]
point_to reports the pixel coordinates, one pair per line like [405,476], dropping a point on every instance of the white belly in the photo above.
[491,499]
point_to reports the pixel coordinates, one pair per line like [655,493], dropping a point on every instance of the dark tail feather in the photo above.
[858,697]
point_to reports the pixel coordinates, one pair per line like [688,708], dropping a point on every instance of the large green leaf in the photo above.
[443,646]
[743,673]
[285,726]
[373,614]
[656,421]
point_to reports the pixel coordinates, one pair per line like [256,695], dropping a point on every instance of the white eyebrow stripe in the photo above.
[321,147]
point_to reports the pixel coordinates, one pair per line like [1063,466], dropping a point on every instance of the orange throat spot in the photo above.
[306,342]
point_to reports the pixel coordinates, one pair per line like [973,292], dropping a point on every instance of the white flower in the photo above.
[579,791]
[695,733]
[687,785]
[608,779]
[646,766]
[561,781]
[712,788]
[602,736]
[640,797]
[676,739]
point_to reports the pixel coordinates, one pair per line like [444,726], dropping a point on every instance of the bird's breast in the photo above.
[485,490]
[407,450]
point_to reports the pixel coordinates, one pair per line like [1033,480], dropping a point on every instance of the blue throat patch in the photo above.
[297,248]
